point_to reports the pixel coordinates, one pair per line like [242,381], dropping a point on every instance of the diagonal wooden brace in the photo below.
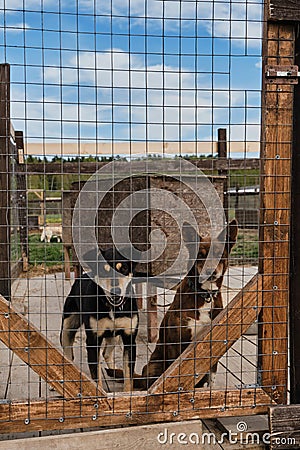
[29,344]
[213,342]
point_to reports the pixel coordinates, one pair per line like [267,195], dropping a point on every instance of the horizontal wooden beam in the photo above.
[213,342]
[79,168]
[82,168]
[29,344]
[130,409]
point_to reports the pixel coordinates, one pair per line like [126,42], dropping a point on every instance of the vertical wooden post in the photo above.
[222,153]
[42,216]
[222,143]
[295,245]
[22,197]
[275,197]
[5,170]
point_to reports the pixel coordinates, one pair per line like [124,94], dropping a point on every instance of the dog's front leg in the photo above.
[67,338]
[129,358]
[109,350]
[70,323]
[93,345]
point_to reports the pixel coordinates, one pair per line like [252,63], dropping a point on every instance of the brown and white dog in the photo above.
[196,303]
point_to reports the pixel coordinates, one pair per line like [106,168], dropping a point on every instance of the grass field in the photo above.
[47,254]
[245,252]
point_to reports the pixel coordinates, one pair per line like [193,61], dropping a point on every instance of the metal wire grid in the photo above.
[139,80]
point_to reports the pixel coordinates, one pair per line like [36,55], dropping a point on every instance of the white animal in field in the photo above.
[49,232]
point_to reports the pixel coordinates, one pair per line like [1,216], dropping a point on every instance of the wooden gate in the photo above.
[264,299]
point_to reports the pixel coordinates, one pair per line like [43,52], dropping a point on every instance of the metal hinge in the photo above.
[248,386]
[282,74]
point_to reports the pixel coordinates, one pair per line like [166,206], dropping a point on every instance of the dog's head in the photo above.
[212,257]
[113,273]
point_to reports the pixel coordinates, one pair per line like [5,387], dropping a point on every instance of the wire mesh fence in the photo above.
[141,124]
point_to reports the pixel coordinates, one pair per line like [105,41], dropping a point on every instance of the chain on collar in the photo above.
[119,305]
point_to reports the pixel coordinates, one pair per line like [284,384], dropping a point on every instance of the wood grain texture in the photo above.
[284,424]
[130,409]
[284,10]
[5,170]
[129,438]
[275,196]
[213,342]
[295,255]
[21,180]
[46,360]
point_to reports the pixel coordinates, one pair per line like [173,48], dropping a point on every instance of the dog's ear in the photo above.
[229,234]
[191,239]
[90,256]
[91,260]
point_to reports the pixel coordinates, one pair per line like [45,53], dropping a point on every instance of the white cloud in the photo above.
[11,5]
[139,102]
[134,102]
[17,27]
[240,21]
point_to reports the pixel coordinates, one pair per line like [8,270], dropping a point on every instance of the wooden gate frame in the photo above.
[173,396]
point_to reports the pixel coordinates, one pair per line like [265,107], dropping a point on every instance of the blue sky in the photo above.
[133,70]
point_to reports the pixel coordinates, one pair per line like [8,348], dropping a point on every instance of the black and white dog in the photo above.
[107,309]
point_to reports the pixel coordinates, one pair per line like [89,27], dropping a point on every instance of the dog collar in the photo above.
[208,296]
[118,305]
[110,303]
